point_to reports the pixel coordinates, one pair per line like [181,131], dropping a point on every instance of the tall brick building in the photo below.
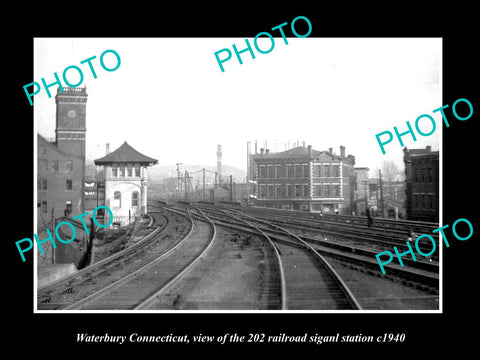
[304,179]
[422,186]
[61,164]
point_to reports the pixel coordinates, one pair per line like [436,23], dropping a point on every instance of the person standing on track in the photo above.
[369,218]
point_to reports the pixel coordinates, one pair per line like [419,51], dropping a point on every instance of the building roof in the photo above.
[299,152]
[53,145]
[125,154]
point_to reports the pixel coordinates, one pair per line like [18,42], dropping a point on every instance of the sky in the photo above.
[170,100]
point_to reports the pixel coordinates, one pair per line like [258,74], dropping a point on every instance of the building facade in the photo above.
[304,179]
[422,186]
[61,163]
[125,183]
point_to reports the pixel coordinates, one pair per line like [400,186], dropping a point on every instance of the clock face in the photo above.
[71,114]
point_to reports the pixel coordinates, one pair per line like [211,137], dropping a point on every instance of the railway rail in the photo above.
[69,290]
[421,274]
[138,288]
[308,281]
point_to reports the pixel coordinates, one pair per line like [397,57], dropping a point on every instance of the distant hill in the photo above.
[158,172]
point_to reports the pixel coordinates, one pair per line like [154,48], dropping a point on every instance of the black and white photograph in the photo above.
[257,202]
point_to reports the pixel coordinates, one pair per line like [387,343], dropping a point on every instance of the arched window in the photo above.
[134,198]
[117,199]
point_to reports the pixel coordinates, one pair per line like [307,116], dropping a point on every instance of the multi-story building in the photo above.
[304,179]
[125,182]
[422,184]
[61,163]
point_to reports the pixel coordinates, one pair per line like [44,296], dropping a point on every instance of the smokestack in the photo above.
[310,151]
[219,162]
[429,148]
[267,151]
[342,150]
[261,151]
[107,149]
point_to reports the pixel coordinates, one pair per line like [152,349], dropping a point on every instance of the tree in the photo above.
[391,172]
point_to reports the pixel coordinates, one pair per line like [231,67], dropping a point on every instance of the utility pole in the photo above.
[203,184]
[186,185]
[381,192]
[53,227]
[179,180]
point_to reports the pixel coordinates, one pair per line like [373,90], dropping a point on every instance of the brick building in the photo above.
[61,163]
[422,184]
[304,179]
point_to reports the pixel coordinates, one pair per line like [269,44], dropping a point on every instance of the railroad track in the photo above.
[349,228]
[67,291]
[138,289]
[390,225]
[307,281]
[421,274]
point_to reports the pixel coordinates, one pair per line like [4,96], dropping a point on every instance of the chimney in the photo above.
[331,150]
[219,161]
[342,151]
[107,149]
[261,151]
[310,151]
[429,148]
[267,151]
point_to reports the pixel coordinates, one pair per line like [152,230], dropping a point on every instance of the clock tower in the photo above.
[71,121]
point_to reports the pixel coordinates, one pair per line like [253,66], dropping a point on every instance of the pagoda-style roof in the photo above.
[125,154]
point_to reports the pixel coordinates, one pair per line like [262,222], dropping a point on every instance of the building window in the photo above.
[117,199]
[68,207]
[114,170]
[326,170]
[43,207]
[42,149]
[336,170]
[261,189]
[271,171]
[289,171]
[298,190]
[316,190]
[122,171]
[298,171]
[137,170]
[326,190]
[69,184]
[55,165]
[135,198]
[278,173]
[42,184]
[335,190]
[278,191]
[69,165]
[262,171]
[306,170]
[270,193]
[42,165]
[129,170]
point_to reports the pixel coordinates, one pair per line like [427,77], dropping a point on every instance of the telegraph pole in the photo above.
[203,184]
[381,192]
